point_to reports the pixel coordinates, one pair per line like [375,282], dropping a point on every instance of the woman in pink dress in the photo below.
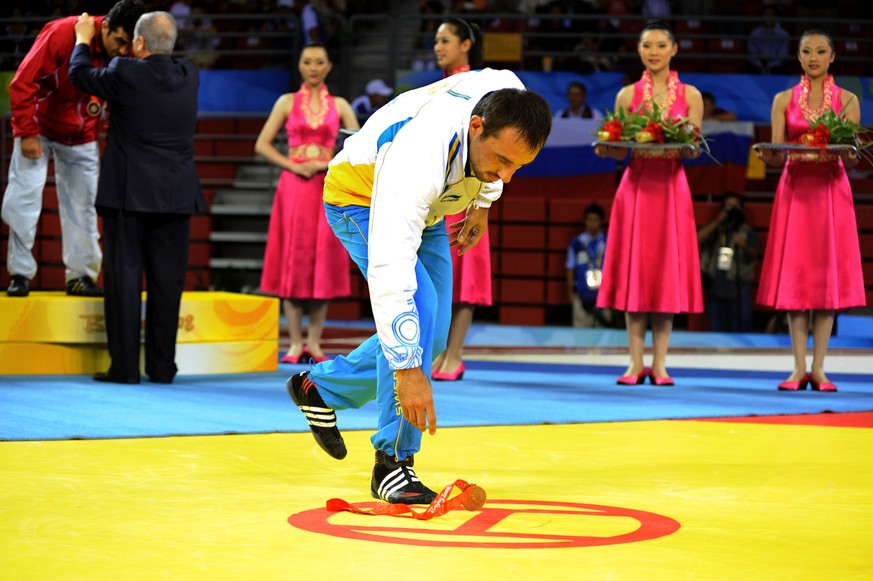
[458,48]
[812,262]
[304,263]
[651,266]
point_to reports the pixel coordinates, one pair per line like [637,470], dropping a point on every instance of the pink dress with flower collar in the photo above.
[812,259]
[303,258]
[651,263]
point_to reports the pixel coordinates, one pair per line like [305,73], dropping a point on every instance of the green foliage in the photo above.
[841,131]
[650,126]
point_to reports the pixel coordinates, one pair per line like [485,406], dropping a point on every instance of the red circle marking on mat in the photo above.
[477,531]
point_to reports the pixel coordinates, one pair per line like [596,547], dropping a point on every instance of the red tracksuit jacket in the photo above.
[42,99]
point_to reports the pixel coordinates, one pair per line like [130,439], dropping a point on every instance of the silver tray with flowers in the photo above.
[637,145]
[800,147]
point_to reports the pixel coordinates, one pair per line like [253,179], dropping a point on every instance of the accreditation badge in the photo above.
[725,258]
[593,277]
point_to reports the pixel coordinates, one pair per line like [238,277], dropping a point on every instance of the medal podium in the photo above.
[50,333]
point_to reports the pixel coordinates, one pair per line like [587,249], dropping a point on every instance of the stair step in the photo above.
[252,209]
[226,196]
[236,263]
[255,184]
[252,171]
[259,237]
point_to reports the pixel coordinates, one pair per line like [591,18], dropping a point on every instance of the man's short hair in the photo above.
[520,109]
[729,195]
[595,208]
[125,15]
[158,30]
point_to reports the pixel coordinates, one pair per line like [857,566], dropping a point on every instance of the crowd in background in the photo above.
[586,35]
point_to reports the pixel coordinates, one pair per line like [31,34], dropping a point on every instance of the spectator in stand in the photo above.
[584,264]
[476,13]
[550,37]
[330,14]
[181,10]
[428,10]
[589,51]
[313,26]
[532,6]
[283,26]
[375,95]
[768,45]
[16,41]
[202,39]
[577,108]
[695,7]
[656,9]
[713,111]
[728,255]
[254,41]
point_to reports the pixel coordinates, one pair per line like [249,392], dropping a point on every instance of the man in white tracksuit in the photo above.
[429,152]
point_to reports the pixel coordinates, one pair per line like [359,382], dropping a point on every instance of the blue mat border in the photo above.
[491,394]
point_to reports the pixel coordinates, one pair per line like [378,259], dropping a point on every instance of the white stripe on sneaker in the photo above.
[318,416]
[312,408]
[395,481]
[392,482]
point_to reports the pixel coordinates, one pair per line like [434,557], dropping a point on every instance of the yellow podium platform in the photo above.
[51,333]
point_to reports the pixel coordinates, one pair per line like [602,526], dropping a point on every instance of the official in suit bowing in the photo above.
[147,191]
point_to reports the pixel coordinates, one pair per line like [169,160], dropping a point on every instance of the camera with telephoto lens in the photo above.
[735,218]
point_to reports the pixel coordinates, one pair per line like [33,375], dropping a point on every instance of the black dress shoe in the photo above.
[83,287]
[19,287]
[106,378]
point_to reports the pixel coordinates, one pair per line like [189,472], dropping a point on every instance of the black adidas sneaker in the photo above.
[322,419]
[396,482]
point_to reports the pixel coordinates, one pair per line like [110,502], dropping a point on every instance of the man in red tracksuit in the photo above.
[51,117]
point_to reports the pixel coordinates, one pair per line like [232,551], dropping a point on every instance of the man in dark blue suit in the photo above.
[147,191]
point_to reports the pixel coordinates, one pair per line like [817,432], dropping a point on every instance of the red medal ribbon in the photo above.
[471,497]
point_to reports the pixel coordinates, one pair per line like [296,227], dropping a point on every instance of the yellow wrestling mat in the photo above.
[632,500]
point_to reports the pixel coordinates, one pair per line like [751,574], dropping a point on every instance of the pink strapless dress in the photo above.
[812,259]
[303,258]
[651,263]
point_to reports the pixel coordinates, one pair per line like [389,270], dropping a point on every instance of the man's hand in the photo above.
[31,147]
[470,230]
[85,29]
[416,398]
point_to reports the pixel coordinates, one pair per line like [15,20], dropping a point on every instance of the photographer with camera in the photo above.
[728,251]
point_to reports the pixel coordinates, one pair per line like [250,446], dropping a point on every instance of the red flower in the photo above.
[655,130]
[613,128]
[819,135]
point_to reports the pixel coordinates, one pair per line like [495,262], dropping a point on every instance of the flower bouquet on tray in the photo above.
[828,134]
[831,129]
[649,127]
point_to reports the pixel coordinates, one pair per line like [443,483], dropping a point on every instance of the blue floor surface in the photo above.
[492,393]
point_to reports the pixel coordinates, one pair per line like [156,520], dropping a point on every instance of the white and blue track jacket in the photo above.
[407,163]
